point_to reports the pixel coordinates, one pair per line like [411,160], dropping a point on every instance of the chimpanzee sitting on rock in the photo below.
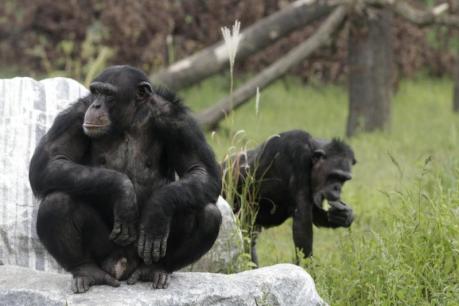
[293,174]
[105,172]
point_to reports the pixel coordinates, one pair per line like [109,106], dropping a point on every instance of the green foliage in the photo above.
[246,210]
[403,248]
[93,56]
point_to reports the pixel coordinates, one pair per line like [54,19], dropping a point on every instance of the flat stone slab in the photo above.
[283,284]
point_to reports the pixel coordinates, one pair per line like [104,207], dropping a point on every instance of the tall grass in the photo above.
[403,248]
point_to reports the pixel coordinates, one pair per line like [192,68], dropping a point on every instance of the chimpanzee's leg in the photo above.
[76,236]
[253,244]
[190,238]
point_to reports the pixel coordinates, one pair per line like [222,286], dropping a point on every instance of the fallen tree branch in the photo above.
[210,117]
[417,16]
[254,38]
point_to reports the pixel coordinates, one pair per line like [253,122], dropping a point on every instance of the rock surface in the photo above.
[283,284]
[27,110]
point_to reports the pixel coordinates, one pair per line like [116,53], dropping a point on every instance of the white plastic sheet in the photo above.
[27,109]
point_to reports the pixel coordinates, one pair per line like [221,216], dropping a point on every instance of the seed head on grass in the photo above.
[257,101]
[232,39]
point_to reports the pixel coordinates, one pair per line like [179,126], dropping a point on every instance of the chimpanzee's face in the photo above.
[116,96]
[329,173]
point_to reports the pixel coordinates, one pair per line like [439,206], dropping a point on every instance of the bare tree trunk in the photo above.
[254,38]
[371,69]
[456,87]
[210,117]
[454,9]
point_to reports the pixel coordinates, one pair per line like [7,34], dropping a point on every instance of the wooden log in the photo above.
[261,34]
[210,117]
[420,17]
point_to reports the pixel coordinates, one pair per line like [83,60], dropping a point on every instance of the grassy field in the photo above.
[403,248]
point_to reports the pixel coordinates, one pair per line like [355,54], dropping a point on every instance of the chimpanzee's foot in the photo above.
[121,263]
[89,275]
[152,273]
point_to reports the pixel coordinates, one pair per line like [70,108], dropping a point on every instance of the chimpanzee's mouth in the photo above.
[95,130]
[93,126]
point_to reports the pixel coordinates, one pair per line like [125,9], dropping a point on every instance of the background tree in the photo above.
[370,64]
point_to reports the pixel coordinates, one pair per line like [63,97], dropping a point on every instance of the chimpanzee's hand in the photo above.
[153,234]
[125,214]
[340,214]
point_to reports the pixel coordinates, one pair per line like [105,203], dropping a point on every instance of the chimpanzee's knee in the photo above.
[54,209]
[211,221]
[72,231]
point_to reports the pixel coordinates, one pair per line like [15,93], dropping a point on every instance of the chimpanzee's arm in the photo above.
[55,166]
[199,184]
[302,224]
[193,160]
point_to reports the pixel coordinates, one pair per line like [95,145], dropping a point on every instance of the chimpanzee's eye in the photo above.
[110,100]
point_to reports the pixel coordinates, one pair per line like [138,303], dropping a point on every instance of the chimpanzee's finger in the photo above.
[345,218]
[86,284]
[168,278]
[337,219]
[141,243]
[74,285]
[80,285]
[162,284]
[115,231]
[147,252]
[163,246]
[156,250]
[109,280]
[123,237]
[155,280]
[134,277]
[132,233]
[338,205]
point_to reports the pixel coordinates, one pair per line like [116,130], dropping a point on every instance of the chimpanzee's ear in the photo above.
[144,90]
[318,155]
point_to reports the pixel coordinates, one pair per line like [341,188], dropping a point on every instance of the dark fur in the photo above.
[286,168]
[125,179]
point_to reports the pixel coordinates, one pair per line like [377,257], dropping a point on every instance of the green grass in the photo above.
[403,248]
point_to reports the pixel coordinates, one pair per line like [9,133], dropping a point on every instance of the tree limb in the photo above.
[417,16]
[210,117]
[261,34]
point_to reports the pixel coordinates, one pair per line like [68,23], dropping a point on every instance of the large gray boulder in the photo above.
[27,110]
[283,284]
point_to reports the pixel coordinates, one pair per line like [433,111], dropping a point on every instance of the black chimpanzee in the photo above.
[293,174]
[106,173]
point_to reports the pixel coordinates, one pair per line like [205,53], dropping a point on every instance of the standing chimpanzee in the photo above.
[106,176]
[293,174]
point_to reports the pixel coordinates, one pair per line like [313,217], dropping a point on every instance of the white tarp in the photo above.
[27,109]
